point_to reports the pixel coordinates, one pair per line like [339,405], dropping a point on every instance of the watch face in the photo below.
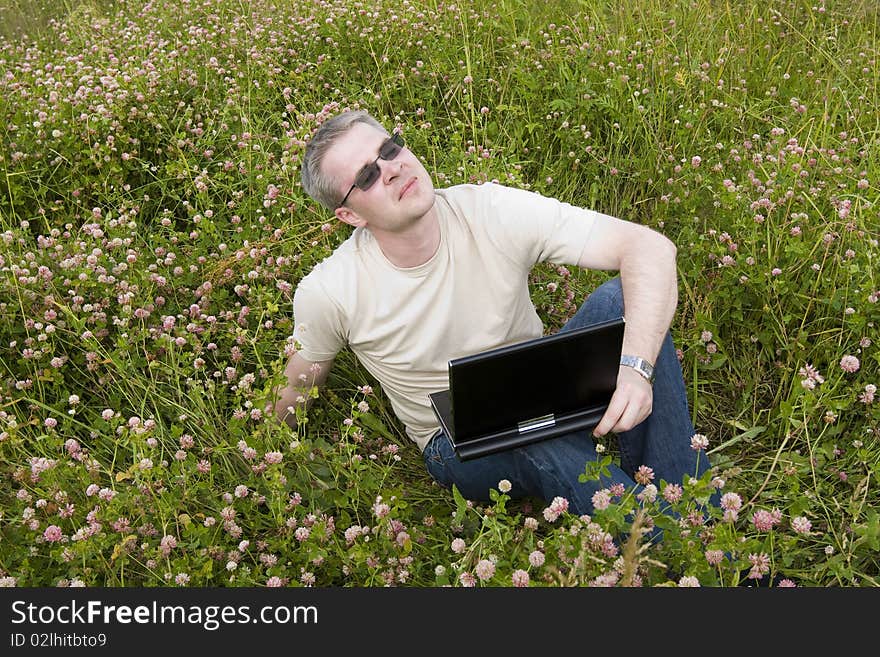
[642,366]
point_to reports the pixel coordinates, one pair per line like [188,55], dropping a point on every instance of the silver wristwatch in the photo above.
[640,365]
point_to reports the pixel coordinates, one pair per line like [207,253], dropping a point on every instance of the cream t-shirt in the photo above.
[405,324]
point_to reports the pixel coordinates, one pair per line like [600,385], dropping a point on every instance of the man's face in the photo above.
[401,196]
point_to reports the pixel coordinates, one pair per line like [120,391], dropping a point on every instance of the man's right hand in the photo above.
[301,375]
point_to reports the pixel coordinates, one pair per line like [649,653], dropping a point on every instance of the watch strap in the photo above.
[640,365]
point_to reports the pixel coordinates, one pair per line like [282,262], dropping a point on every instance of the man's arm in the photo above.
[646,262]
[301,376]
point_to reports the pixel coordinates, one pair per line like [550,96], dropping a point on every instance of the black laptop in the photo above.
[530,391]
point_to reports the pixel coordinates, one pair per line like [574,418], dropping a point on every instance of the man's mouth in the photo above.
[406,188]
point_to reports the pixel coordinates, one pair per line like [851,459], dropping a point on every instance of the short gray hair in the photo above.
[316,183]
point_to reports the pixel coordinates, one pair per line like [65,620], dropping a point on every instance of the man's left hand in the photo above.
[630,404]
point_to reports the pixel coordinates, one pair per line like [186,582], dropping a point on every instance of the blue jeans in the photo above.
[550,468]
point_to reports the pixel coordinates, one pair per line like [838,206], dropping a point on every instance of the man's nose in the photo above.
[390,169]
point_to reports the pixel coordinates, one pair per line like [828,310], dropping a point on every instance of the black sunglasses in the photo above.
[368,176]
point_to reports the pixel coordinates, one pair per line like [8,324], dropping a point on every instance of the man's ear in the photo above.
[349,217]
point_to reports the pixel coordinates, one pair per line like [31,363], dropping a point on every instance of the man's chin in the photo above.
[426,199]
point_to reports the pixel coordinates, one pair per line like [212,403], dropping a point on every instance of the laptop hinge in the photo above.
[537,423]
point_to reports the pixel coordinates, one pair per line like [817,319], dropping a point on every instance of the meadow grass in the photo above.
[153,229]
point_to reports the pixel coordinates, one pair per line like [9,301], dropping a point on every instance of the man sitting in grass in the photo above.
[434,274]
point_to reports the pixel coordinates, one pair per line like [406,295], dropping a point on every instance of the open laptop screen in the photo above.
[568,372]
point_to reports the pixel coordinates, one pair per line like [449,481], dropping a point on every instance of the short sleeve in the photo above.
[531,228]
[319,323]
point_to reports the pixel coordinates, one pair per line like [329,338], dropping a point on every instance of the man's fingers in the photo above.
[612,414]
[631,417]
[629,406]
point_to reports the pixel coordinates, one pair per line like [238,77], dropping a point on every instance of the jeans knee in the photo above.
[606,301]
